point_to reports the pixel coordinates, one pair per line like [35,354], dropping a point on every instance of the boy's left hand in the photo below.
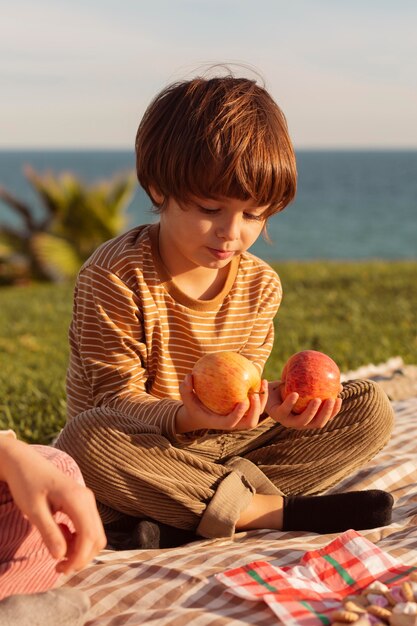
[316,415]
[197,416]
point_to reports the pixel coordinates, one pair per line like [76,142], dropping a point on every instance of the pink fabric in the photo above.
[25,564]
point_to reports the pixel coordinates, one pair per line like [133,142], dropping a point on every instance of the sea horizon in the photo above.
[352,203]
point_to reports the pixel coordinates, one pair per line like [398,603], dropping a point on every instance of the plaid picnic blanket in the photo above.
[307,593]
[179,587]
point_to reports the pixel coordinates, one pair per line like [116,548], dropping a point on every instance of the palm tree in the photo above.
[77,218]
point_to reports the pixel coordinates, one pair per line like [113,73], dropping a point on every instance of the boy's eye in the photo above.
[208,210]
[252,217]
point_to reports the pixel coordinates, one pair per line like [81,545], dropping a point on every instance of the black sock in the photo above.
[338,512]
[120,534]
[153,534]
[145,534]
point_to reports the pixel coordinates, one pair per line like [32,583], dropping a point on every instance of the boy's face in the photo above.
[207,233]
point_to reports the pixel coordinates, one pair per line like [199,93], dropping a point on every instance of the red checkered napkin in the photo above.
[307,593]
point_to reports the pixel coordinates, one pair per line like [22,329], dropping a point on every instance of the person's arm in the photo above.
[39,489]
[108,341]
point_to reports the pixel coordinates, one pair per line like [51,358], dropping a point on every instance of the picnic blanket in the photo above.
[185,585]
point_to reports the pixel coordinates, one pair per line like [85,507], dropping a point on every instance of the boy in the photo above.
[49,526]
[215,157]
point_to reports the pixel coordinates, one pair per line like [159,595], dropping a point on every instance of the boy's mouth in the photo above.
[221,254]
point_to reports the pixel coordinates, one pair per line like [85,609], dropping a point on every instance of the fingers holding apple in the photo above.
[192,415]
[282,409]
[327,411]
[242,417]
[316,414]
[223,392]
[257,403]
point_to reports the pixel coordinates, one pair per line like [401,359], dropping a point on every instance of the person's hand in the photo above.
[193,415]
[39,489]
[316,415]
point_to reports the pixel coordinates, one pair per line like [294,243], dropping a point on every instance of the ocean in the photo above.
[350,204]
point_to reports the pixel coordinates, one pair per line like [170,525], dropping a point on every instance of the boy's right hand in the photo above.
[193,415]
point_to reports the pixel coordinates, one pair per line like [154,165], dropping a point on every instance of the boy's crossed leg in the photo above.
[134,471]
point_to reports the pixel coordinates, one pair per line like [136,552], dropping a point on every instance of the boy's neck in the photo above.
[197,282]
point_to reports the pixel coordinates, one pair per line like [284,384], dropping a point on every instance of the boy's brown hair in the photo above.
[217,137]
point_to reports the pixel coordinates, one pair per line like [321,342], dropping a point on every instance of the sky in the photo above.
[80,73]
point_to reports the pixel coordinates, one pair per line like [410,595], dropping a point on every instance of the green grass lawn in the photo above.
[355,312]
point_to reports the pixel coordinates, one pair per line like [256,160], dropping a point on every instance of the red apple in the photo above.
[222,379]
[312,375]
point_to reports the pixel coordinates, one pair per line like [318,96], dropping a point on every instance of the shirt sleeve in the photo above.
[107,336]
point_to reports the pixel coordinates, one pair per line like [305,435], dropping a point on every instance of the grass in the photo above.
[33,358]
[355,312]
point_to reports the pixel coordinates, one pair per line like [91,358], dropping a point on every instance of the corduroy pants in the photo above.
[205,484]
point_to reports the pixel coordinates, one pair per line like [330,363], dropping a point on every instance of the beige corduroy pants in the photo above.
[205,484]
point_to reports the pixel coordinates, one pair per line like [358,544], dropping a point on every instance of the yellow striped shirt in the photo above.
[134,335]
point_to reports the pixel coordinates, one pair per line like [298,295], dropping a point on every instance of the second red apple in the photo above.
[311,374]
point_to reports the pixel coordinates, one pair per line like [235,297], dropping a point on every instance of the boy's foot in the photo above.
[335,513]
[64,606]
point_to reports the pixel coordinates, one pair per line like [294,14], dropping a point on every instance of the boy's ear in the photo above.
[157,197]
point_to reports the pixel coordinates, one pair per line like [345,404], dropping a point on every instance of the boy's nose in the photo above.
[229,230]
